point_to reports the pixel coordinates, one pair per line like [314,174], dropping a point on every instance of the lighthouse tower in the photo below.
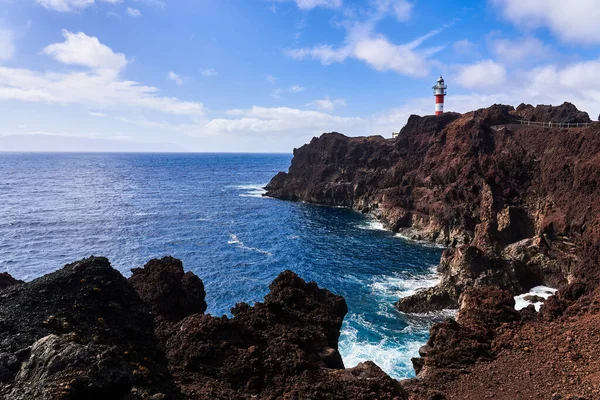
[439,91]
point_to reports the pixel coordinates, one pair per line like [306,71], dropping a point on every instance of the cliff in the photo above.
[515,205]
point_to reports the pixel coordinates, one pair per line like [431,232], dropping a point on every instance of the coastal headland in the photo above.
[515,204]
[513,195]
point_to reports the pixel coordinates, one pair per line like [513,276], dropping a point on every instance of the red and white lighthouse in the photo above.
[439,92]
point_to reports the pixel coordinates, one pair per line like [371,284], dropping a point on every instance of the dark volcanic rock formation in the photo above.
[517,205]
[6,280]
[85,332]
[170,292]
[285,347]
[566,113]
[79,333]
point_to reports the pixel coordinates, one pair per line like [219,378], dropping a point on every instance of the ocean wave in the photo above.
[252,190]
[403,285]
[391,356]
[425,243]
[541,291]
[234,240]
[372,225]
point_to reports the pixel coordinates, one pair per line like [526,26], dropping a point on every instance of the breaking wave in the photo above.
[541,291]
[234,240]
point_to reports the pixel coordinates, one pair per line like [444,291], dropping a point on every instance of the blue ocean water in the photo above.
[207,210]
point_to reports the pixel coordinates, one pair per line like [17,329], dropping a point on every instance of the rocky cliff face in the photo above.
[85,332]
[516,205]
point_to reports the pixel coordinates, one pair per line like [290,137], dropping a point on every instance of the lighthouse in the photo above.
[439,92]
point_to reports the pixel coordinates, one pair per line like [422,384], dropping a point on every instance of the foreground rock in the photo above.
[85,332]
[516,205]
[79,333]
[285,347]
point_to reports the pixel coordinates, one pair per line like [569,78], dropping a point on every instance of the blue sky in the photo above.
[268,75]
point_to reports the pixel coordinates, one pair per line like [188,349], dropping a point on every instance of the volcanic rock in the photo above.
[81,332]
[6,280]
[169,291]
[517,205]
[565,113]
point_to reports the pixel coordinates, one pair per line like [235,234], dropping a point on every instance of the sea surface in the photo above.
[208,210]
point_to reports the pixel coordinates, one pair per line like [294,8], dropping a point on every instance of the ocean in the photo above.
[208,211]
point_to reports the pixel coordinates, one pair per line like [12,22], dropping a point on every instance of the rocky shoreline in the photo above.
[515,205]
[495,192]
[87,332]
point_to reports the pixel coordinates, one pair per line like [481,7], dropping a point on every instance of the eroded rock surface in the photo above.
[516,205]
[284,347]
[81,332]
[85,332]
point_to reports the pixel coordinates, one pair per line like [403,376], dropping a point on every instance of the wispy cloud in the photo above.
[208,72]
[327,104]
[134,12]
[172,76]
[363,43]
[7,46]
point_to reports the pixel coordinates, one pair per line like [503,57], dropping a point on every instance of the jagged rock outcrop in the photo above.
[171,293]
[81,332]
[516,205]
[85,332]
[565,113]
[284,347]
[6,280]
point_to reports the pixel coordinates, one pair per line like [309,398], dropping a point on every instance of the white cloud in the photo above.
[282,120]
[483,74]
[575,21]
[80,49]
[375,50]
[99,87]
[328,104]
[71,5]
[464,47]
[528,49]
[175,78]
[7,47]
[65,5]
[310,4]
[91,89]
[155,3]
[296,89]
[276,93]
[271,79]
[134,12]
[401,9]
[208,72]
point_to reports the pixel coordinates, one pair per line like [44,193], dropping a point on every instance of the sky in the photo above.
[268,75]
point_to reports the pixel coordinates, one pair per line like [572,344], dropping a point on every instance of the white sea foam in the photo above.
[389,355]
[234,240]
[425,243]
[542,291]
[403,285]
[253,190]
[372,224]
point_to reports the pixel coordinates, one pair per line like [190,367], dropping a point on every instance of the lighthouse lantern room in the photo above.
[439,92]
